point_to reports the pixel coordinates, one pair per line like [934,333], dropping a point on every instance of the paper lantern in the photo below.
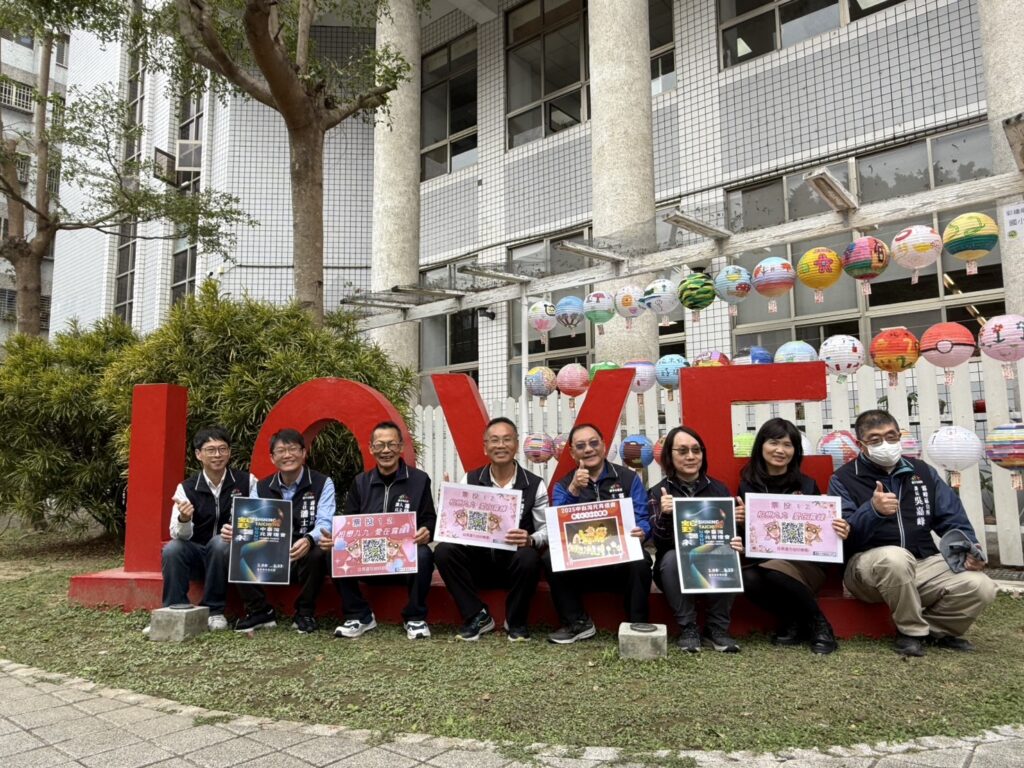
[970,237]
[795,352]
[840,445]
[947,345]
[743,444]
[910,446]
[915,248]
[599,308]
[819,268]
[711,359]
[659,446]
[643,375]
[842,354]
[733,284]
[541,318]
[540,381]
[558,445]
[636,451]
[894,350]
[538,447]
[1002,339]
[1004,447]
[752,356]
[595,368]
[627,303]
[696,291]
[865,259]
[661,299]
[572,380]
[773,277]
[666,371]
[954,449]
[569,313]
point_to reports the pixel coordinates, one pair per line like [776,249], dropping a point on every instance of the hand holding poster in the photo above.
[592,534]
[788,527]
[477,515]
[703,528]
[261,538]
[374,545]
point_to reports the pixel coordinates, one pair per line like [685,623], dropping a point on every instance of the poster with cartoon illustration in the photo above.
[373,545]
[706,562]
[592,534]
[261,539]
[787,527]
[477,515]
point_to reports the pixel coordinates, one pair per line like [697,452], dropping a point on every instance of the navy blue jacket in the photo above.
[212,514]
[408,491]
[661,525]
[615,482]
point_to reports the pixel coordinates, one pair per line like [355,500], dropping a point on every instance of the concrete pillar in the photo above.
[622,156]
[1002,26]
[396,183]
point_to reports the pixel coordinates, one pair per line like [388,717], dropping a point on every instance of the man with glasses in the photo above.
[893,505]
[596,479]
[391,486]
[463,568]
[201,507]
[312,496]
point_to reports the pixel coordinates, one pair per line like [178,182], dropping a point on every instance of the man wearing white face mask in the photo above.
[893,504]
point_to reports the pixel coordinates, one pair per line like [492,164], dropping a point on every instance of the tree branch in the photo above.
[39,137]
[13,195]
[372,99]
[271,57]
[307,11]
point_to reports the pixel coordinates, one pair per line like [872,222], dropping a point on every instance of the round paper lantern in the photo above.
[970,237]
[915,248]
[666,371]
[819,269]
[711,359]
[841,445]
[795,352]
[1002,339]
[865,259]
[599,308]
[696,291]
[894,350]
[627,303]
[659,446]
[540,381]
[733,285]
[541,318]
[743,444]
[752,356]
[1004,447]
[954,449]
[842,354]
[910,445]
[595,368]
[569,313]
[643,375]
[660,297]
[773,277]
[558,445]
[538,447]
[947,345]
[636,451]
[572,380]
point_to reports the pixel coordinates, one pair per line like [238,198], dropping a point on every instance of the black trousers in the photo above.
[632,580]
[780,595]
[355,606]
[466,569]
[308,573]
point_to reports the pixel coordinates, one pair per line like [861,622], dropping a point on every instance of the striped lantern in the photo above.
[1004,447]
[971,237]
[947,345]
[540,381]
[895,350]
[711,359]
[661,299]
[538,447]
[636,451]
[572,380]
[915,248]
[840,445]
[599,308]
[733,285]
[1002,339]
[842,354]
[773,277]
[910,446]
[628,305]
[696,291]
[819,269]
[795,352]
[865,259]
[954,449]
[569,313]
[541,317]
[666,371]
[596,368]
[753,356]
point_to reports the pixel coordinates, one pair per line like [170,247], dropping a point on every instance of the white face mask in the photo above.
[886,454]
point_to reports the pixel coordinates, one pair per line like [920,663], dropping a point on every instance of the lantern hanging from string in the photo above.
[954,449]
[710,359]
[666,371]
[752,356]
[865,259]
[569,313]
[558,445]
[1004,447]
[661,299]
[538,447]
[795,352]
[696,292]
[1002,339]
[627,303]
[572,380]
[947,345]
[541,382]
[644,377]
[915,248]
[596,368]
[599,308]
[636,451]
[843,355]
[743,444]
[773,277]
[659,446]
[910,446]
[840,445]
[733,286]
[895,350]
[818,269]
[542,318]
[971,237]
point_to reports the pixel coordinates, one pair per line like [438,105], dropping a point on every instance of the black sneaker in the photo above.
[720,640]
[951,643]
[823,639]
[579,630]
[789,634]
[305,625]
[905,645]
[689,639]
[260,620]
[516,634]
[480,624]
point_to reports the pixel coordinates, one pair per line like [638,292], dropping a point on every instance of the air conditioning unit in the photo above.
[164,166]
[190,156]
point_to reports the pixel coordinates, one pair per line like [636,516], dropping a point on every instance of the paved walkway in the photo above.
[54,721]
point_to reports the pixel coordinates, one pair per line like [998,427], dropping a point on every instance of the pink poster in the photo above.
[478,516]
[785,527]
[374,545]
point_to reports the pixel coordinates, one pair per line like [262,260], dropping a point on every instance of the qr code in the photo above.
[375,551]
[477,521]
[792,533]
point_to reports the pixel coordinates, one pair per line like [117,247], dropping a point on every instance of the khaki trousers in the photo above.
[925,596]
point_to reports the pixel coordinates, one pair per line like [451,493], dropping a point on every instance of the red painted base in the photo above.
[142,591]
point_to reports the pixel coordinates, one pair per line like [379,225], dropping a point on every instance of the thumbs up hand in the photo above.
[580,480]
[884,502]
[666,502]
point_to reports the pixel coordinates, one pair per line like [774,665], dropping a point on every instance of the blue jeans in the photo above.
[183,560]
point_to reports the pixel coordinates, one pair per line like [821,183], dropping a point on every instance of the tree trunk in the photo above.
[307,176]
[28,281]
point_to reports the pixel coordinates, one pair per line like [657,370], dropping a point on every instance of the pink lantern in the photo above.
[841,445]
[538,447]
[947,345]
[910,445]
[572,380]
[865,259]
[1002,338]
[773,277]
[558,444]
[644,377]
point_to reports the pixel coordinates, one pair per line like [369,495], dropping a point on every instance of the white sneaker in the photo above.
[146,629]
[355,627]
[415,630]
[216,622]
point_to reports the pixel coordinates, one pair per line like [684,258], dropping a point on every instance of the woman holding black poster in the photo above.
[785,588]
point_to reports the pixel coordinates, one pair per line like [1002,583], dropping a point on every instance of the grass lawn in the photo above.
[762,699]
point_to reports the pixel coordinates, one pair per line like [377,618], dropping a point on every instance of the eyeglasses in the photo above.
[695,450]
[876,440]
[219,450]
[288,450]
[593,444]
[380,445]
[506,440]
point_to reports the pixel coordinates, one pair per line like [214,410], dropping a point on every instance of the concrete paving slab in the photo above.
[324,750]
[131,756]
[375,757]
[229,753]
[20,741]
[96,743]
[190,739]
[44,757]
[41,717]
[461,758]
[1003,754]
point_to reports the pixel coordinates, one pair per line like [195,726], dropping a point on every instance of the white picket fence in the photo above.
[921,403]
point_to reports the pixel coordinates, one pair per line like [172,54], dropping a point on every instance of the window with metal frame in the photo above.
[662,36]
[60,50]
[448,108]
[185,253]
[124,273]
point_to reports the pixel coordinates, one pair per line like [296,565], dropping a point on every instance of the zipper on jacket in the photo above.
[899,514]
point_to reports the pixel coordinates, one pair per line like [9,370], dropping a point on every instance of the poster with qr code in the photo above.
[784,527]
[261,540]
[477,515]
[706,561]
[592,534]
[373,545]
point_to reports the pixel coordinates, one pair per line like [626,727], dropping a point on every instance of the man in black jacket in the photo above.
[464,567]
